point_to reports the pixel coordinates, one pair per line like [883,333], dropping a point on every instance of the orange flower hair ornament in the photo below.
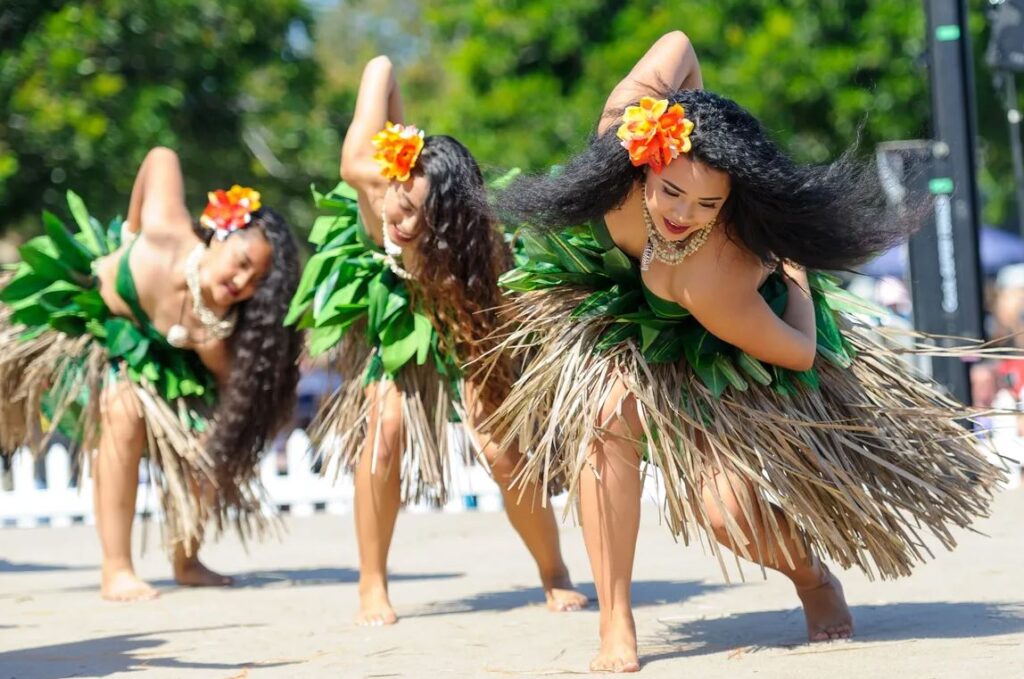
[231,210]
[654,133]
[398,147]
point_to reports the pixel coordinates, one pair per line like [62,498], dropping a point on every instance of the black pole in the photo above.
[1013,115]
[944,265]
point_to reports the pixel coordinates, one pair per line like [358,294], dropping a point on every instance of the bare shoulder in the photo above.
[626,226]
[722,273]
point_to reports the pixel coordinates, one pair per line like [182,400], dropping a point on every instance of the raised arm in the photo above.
[377,102]
[670,61]
[157,207]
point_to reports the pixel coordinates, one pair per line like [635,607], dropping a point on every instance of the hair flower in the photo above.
[654,133]
[231,210]
[398,147]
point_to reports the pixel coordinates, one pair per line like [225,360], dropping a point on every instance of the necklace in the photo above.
[392,251]
[670,252]
[215,326]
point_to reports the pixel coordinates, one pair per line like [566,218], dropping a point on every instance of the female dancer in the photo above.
[423,200]
[168,339]
[681,328]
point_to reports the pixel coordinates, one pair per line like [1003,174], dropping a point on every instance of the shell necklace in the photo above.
[392,251]
[670,252]
[216,327]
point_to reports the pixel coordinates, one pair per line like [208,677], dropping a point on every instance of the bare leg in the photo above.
[610,491]
[190,572]
[115,484]
[534,523]
[377,501]
[828,617]
[538,529]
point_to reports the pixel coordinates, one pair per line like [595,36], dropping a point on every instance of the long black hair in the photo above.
[462,253]
[820,216]
[259,396]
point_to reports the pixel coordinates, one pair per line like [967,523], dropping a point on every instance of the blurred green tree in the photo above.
[86,87]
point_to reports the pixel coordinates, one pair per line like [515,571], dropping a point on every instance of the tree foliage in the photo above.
[86,87]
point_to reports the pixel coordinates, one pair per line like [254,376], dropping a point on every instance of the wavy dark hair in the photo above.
[259,397]
[831,216]
[463,254]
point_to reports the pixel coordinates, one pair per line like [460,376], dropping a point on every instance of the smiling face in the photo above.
[403,208]
[685,196]
[232,269]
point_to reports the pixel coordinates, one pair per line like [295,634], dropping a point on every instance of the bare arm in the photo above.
[670,61]
[736,313]
[157,207]
[377,102]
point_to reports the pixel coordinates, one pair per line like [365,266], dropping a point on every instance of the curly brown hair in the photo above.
[464,253]
[259,397]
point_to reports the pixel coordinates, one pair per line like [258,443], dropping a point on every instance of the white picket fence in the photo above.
[293,488]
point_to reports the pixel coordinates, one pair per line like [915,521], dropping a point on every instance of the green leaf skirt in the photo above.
[67,364]
[377,335]
[862,454]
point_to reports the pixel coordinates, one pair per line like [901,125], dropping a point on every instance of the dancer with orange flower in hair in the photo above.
[403,289]
[165,338]
[672,313]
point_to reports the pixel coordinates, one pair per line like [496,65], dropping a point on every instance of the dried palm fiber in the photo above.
[377,336]
[862,455]
[65,360]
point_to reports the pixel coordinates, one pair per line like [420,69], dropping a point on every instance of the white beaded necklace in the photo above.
[215,326]
[392,251]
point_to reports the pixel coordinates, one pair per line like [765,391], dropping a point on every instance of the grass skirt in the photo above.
[864,463]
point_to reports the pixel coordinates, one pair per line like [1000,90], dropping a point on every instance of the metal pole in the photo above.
[1013,117]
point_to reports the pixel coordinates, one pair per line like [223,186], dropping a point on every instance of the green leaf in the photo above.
[668,347]
[122,336]
[809,378]
[399,343]
[343,190]
[828,334]
[574,259]
[31,315]
[616,334]
[728,370]
[43,264]
[537,247]
[424,331]
[620,268]
[648,334]
[753,368]
[322,339]
[90,229]
[324,291]
[24,283]
[707,369]
[72,253]
[595,304]
[69,323]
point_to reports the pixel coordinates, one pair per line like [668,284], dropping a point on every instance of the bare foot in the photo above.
[828,616]
[618,647]
[124,585]
[375,608]
[562,597]
[192,573]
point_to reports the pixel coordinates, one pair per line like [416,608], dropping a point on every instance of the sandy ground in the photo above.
[471,607]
